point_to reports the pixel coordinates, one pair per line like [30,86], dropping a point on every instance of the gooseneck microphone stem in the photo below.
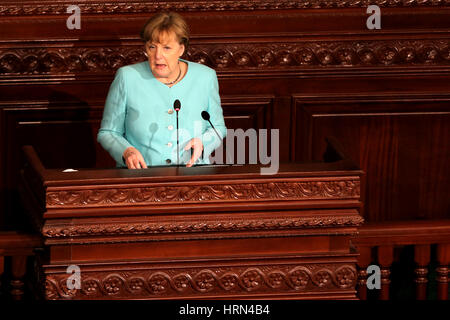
[178,144]
[177,107]
[206,116]
[215,129]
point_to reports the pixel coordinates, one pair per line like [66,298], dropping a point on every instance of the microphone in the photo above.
[177,107]
[206,116]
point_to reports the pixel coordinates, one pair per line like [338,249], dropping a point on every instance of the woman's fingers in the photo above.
[197,145]
[132,163]
[195,155]
[135,163]
[134,159]
[142,163]
[189,145]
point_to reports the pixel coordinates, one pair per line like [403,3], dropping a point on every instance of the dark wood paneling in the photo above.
[249,112]
[401,142]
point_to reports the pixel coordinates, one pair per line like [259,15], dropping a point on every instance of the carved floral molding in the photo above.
[241,56]
[198,282]
[184,226]
[158,195]
[105,7]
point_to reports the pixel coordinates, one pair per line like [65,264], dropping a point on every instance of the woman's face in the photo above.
[163,56]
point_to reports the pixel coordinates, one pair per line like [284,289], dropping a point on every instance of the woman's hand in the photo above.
[134,159]
[197,145]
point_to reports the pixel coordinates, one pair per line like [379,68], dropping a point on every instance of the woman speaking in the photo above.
[148,101]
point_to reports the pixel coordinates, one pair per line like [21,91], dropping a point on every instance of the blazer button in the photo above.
[169,144]
[168,161]
[170,127]
[170,111]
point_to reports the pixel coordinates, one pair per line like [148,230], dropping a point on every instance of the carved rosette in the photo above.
[181,194]
[252,279]
[345,277]
[205,281]
[275,279]
[158,283]
[136,285]
[91,287]
[181,282]
[299,278]
[198,282]
[229,281]
[322,278]
[240,56]
[113,284]
[93,7]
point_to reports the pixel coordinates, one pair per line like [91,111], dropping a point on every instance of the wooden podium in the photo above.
[213,232]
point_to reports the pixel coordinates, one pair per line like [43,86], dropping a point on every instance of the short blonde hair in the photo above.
[163,23]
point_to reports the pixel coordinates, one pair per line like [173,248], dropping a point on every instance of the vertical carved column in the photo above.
[443,259]
[385,258]
[19,264]
[364,260]
[422,259]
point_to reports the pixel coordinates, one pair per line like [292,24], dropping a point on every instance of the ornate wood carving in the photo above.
[345,188]
[220,281]
[421,275]
[202,246]
[257,56]
[99,7]
[185,226]
[323,54]
[60,60]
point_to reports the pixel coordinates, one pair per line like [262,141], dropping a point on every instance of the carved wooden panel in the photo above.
[295,280]
[407,169]
[139,6]
[290,54]
[178,228]
[213,232]
[191,193]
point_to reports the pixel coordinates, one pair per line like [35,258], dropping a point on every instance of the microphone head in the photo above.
[205,115]
[177,105]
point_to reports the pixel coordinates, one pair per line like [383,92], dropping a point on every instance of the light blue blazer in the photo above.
[139,112]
